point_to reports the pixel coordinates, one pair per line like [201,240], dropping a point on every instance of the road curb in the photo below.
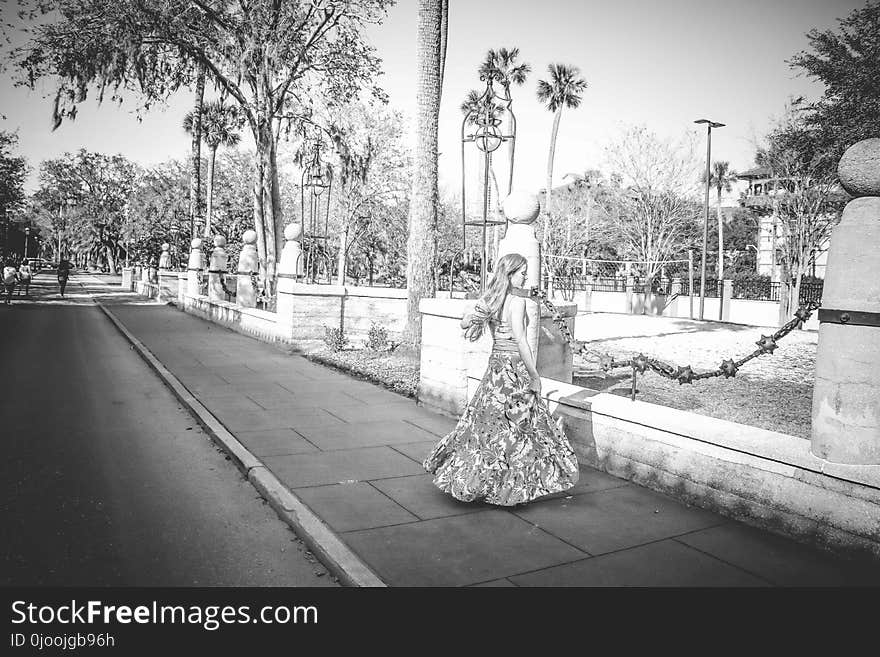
[320,539]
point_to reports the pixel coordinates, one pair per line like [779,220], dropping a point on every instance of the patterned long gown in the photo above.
[501,454]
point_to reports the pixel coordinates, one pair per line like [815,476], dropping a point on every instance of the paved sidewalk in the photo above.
[351,451]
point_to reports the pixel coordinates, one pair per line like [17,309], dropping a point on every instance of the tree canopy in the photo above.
[847,62]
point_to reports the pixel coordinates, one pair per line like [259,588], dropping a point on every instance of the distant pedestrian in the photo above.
[506,448]
[64,268]
[24,276]
[10,276]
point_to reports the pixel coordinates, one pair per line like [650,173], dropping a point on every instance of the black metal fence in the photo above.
[758,290]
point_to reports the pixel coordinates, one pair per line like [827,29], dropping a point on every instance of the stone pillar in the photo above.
[217,269]
[248,263]
[167,279]
[182,287]
[289,267]
[521,210]
[165,258]
[127,278]
[145,274]
[846,395]
[630,288]
[194,267]
[726,296]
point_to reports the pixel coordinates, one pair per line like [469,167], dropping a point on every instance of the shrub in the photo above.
[335,338]
[377,337]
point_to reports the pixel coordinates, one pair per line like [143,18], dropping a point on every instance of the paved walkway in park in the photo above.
[352,452]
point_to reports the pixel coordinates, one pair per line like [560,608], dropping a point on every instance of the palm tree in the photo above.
[421,244]
[220,125]
[195,180]
[563,90]
[721,178]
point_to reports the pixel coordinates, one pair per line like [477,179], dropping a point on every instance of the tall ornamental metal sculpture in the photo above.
[485,118]
[315,188]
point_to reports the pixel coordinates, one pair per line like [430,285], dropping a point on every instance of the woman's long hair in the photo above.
[488,308]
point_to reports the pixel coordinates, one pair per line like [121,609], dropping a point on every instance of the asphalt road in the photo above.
[106,479]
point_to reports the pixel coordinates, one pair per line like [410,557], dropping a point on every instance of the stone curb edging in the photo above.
[320,539]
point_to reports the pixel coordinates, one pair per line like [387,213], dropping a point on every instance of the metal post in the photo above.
[709,126]
[705,223]
[633,392]
[691,282]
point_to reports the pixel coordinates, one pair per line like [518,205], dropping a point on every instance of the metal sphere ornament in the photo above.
[640,363]
[488,138]
[684,374]
[728,368]
[767,344]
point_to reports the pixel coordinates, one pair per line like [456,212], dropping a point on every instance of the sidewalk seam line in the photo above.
[323,542]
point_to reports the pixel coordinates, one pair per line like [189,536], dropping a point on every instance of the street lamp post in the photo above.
[709,126]
[27,236]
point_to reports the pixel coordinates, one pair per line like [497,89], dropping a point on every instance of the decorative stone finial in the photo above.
[219,241]
[521,207]
[165,246]
[249,237]
[293,231]
[859,168]
[196,243]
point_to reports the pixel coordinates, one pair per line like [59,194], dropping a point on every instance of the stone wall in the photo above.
[351,308]
[250,321]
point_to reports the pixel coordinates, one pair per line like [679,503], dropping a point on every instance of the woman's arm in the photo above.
[518,328]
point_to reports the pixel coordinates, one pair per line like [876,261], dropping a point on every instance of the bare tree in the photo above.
[655,207]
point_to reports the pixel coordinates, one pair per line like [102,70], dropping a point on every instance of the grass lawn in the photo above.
[772,392]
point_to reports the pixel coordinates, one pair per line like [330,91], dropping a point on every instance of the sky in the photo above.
[657,64]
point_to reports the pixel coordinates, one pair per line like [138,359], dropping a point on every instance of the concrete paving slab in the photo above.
[364,434]
[504,582]
[275,442]
[436,424]
[665,563]
[280,418]
[328,400]
[373,394]
[777,559]
[615,519]
[419,451]
[365,464]
[455,551]
[347,507]
[419,495]
[589,480]
[401,410]
[230,404]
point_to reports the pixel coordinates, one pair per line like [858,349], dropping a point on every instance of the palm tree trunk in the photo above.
[720,238]
[210,192]
[550,157]
[195,180]
[421,243]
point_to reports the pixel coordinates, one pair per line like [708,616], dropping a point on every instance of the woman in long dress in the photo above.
[506,449]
